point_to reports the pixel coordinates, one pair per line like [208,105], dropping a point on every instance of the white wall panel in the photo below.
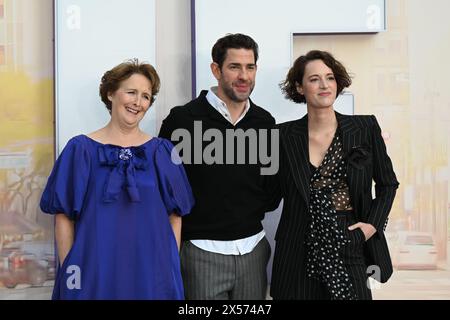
[91,37]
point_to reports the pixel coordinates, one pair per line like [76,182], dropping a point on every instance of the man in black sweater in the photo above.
[223,139]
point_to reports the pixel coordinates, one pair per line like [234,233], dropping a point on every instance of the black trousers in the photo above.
[353,257]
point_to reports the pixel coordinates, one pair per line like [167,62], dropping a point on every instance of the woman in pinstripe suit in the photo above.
[331,233]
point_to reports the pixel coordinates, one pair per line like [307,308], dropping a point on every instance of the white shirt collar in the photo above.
[221,107]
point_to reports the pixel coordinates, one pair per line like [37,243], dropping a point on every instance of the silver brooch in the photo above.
[125,154]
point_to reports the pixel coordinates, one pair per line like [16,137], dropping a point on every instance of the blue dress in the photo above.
[120,198]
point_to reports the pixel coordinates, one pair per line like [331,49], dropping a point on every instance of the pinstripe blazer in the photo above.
[292,184]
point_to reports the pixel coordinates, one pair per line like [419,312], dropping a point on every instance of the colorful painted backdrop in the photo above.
[26,148]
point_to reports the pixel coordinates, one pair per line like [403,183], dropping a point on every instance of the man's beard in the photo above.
[232,95]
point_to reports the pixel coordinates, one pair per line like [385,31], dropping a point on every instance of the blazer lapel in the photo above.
[351,137]
[298,156]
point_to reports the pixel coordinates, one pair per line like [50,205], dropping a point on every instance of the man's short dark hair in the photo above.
[232,41]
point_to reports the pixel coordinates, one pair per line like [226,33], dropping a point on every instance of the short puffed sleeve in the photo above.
[68,182]
[174,186]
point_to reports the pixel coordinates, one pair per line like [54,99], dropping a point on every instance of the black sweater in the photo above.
[230,198]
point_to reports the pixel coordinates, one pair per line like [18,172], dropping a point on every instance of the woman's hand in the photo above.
[368,229]
[175,222]
[64,233]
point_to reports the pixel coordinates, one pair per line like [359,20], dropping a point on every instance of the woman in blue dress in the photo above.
[118,196]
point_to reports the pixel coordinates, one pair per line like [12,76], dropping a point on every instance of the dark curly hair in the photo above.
[111,79]
[297,71]
[232,41]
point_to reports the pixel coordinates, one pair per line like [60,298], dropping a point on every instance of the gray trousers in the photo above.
[213,276]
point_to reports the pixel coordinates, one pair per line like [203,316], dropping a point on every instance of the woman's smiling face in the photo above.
[319,85]
[131,100]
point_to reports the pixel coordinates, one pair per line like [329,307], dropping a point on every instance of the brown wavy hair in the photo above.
[297,71]
[112,79]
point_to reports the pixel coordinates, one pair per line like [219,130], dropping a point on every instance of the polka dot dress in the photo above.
[325,240]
